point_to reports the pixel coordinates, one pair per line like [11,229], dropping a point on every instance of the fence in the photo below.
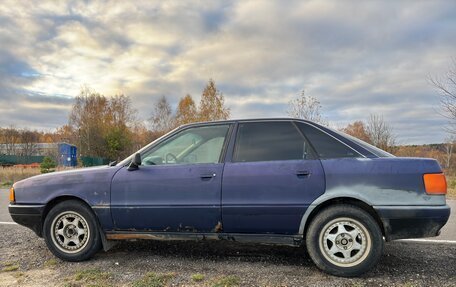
[8,160]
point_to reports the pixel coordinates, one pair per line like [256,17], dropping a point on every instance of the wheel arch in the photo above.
[312,212]
[53,202]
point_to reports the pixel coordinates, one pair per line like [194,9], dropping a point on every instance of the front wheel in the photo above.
[344,240]
[70,231]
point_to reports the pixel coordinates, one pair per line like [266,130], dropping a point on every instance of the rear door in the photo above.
[270,180]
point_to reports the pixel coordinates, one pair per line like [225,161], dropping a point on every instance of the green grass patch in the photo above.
[227,281]
[10,266]
[152,279]
[50,263]
[92,277]
[198,277]
[7,183]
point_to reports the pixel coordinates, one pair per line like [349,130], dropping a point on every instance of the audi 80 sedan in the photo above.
[269,181]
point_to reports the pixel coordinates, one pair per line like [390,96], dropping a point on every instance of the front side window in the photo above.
[269,141]
[326,146]
[190,146]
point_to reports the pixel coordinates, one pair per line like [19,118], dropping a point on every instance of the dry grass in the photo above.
[9,175]
[152,279]
[451,180]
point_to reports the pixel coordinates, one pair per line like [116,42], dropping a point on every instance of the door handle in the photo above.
[303,173]
[207,175]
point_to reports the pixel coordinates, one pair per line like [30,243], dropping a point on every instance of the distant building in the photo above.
[64,154]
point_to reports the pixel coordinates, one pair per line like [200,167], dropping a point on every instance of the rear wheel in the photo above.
[344,240]
[70,231]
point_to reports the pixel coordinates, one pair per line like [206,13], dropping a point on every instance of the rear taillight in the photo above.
[435,183]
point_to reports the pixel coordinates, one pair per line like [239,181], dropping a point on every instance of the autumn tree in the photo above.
[120,117]
[212,104]
[65,133]
[162,120]
[306,107]
[102,125]
[358,130]
[186,111]
[376,132]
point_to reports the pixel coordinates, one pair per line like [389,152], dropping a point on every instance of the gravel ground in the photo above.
[26,261]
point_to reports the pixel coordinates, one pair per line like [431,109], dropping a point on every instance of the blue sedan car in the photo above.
[270,181]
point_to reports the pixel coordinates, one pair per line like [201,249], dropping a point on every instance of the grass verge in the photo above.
[198,277]
[10,266]
[227,281]
[89,277]
[152,279]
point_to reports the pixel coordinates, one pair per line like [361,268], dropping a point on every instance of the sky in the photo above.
[356,57]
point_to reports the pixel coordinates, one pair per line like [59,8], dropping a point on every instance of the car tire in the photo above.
[344,240]
[71,231]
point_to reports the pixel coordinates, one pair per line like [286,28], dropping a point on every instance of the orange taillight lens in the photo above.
[435,183]
[12,197]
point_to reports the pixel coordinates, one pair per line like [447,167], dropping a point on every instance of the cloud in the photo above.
[356,57]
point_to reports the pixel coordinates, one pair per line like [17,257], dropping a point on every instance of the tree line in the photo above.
[109,127]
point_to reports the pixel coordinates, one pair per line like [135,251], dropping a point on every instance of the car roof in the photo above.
[250,120]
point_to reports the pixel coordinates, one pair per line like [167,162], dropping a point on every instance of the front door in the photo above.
[177,188]
[272,178]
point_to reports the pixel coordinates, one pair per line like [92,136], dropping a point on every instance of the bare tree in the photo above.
[10,139]
[446,87]
[380,133]
[449,147]
[307,108]
[162,119]
[28,141]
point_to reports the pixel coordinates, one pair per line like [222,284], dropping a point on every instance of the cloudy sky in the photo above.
[355,57]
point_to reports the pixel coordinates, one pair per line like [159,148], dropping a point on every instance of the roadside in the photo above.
[26,261]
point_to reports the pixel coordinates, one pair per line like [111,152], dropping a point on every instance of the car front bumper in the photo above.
[28,215]
[401,222]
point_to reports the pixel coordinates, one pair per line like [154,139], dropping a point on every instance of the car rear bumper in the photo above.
[401,222]
[28,215]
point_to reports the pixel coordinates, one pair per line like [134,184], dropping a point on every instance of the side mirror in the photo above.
[135,163]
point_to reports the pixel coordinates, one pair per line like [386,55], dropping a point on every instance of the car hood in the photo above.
[69,177]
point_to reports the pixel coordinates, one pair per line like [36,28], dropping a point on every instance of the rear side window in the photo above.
[325,145]
[270,141]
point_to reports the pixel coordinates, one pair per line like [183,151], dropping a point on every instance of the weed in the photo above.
[227,281]
[93,277]
[50,263]
[10,267]
[198,277]
[152,279]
